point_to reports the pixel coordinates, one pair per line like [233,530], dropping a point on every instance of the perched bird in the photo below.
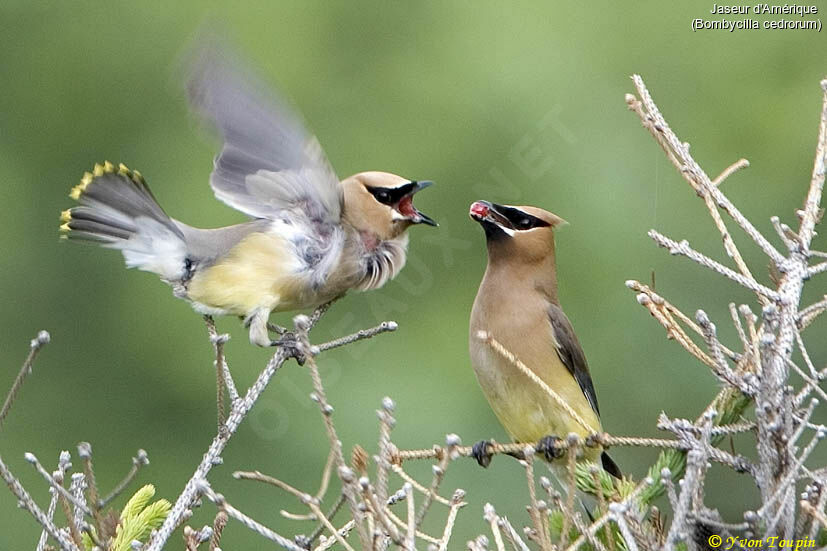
[311,238]
[517,305]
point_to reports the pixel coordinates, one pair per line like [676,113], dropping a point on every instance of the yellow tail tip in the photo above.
[65,227]
[65,215]
[81,187]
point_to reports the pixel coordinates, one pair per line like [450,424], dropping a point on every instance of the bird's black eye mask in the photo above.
[401,199]
[517,219]
[392,195]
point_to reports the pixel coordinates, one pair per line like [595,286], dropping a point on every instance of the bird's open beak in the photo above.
[406,208]
[486,213]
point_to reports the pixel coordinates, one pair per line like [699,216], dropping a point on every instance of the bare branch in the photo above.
[37,343]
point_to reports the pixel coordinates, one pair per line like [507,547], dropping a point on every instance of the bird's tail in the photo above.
[610,466]
[117,210]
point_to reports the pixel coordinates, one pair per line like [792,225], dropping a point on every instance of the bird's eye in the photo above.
[524,224]
[383,196]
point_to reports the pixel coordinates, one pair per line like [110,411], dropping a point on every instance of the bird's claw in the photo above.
[551,448]
[482,453]
[290,344]
[278,329]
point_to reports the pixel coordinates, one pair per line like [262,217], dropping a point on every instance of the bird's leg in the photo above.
[551,447]
[257,323]
[278,329]
[260,335]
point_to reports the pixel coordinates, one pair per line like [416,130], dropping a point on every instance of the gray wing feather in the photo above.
[571,353]
[269,163]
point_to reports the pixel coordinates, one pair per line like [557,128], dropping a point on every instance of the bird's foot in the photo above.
[278,329]
[481,451]
[551,447]
[289,342]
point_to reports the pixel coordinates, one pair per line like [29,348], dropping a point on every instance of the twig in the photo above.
[140,460]
[810,313]
[85,454]
[63,464]
[386,423]
[328,469]
[610,516]
[438,474]
[25,501]
[384,327]
[490,515]
[238,412]
[305,498]
[684,249]
[64,493]
[512,535]
[346,475]
[533,505]
[410,532]
[218,526]
[36,344]
[76,488]
[456,505]
[204,489]
[728,171]
[223,374]
[678,152]
[416,485]
[330,514]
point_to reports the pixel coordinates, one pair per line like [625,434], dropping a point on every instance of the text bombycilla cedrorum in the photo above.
[517,305]
[312,237]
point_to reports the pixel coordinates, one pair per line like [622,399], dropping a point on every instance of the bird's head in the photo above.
[520,233]
[382,203]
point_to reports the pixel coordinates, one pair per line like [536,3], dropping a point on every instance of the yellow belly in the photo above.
[259,272]
[524,409]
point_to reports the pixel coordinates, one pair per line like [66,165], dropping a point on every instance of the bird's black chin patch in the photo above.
[493,231]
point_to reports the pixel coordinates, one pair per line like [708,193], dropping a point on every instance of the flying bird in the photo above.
[311,237]
[517,305]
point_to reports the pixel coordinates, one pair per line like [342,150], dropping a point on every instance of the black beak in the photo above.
[419,217]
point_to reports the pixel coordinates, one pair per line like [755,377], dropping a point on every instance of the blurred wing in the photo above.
[571,354]
[269,163]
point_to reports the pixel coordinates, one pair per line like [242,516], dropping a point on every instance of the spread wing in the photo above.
[571,354]
[269,163]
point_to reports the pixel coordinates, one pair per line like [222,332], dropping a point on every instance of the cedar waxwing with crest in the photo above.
[517,305]
[311,238]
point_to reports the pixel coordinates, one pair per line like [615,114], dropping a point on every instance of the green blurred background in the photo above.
[520,104]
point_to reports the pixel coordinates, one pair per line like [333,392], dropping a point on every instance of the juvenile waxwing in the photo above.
[517,305]
[311,237]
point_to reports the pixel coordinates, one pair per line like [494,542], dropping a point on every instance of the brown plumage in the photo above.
[517,304]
